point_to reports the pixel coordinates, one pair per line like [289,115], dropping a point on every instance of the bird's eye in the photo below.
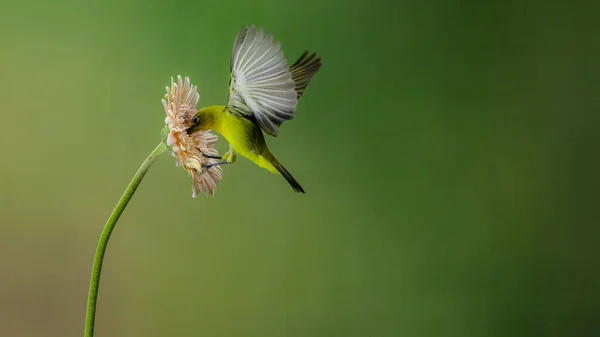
[196,120]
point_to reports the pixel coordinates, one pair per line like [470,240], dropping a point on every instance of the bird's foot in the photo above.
[229,157]
[208,155]
[207,167]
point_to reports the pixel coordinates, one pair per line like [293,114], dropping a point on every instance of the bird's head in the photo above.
[202,120]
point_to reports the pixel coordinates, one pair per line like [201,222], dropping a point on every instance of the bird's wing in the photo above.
[303,71]
[261,84]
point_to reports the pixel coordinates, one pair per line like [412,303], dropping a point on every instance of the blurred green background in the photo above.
[449,150]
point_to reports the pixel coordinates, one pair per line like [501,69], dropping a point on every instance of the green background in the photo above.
[449,150]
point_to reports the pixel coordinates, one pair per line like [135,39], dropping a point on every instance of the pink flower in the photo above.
[180,105]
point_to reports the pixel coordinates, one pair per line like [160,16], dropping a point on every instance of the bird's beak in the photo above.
[191,129]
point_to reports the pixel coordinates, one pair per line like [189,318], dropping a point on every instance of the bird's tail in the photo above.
[287,175]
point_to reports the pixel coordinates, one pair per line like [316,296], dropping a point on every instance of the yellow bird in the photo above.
[263,93]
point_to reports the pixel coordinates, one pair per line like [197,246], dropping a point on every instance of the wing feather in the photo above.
[303,70]
[261,83]
[236,46]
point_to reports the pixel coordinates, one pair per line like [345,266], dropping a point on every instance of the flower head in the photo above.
[180,105]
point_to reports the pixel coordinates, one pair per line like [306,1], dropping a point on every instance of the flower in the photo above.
[180,105]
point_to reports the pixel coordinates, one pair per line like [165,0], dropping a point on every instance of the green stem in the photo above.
[90,316]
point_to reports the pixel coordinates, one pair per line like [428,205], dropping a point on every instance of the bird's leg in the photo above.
[207,155]
[207,167]
[230,156]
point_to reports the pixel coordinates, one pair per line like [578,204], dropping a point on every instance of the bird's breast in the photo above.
[239,133]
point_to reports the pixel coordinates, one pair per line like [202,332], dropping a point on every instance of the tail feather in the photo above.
[303,70]
[287,175]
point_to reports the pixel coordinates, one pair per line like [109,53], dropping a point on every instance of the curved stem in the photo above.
[90,316]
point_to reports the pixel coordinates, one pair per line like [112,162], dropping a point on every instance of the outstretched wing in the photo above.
[303,71]
[261,84]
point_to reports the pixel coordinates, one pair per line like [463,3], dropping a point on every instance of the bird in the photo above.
[263,93]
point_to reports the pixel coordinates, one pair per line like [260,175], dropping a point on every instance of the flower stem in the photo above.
[90,316]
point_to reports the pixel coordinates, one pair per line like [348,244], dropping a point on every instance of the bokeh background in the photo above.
[449,150]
